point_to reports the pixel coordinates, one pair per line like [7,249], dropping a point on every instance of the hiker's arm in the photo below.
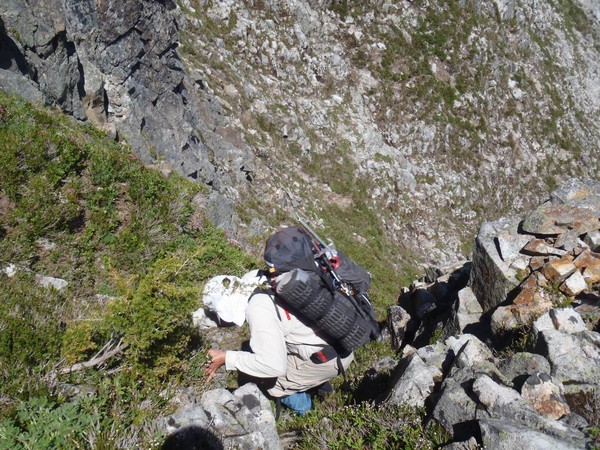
[269,353]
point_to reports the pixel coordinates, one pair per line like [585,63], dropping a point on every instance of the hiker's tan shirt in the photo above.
[281,347]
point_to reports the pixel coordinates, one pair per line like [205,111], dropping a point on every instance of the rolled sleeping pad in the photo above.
[333,314]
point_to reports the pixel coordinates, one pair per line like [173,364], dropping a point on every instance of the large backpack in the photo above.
[340,311]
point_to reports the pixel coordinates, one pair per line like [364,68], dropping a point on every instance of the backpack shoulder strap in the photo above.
[271,293]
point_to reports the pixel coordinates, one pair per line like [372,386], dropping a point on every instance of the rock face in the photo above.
[116,64]
[492,277]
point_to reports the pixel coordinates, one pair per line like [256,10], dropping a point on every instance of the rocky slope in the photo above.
[426,116]
[502,352]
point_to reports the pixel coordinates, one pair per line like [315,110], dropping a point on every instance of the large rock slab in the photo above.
[397,324]
[523,364]
[505,403]
[574,285]
[592,239]
[539,247]
[466,311]
[565,319]
[242,419]
[559,270]
[589,263]
[551,219]
[502,434]
[415,382]
[529,304]
[492,279]
[469,357]
[575,358]
[510,245]
[454,409]
[546,396]
[580,193]
[436,355]
[469,349]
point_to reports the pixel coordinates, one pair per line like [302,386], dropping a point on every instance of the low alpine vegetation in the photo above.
[133,251]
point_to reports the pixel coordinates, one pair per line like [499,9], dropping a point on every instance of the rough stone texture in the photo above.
[528,305]
[520,264]
[14,82]
[415,382]
[583,194]
[539,247]
[523,364]
[559,270]
[116,64]
[545,396]
[592,239]
[397,322]
[474,350]
[537,262]
[569,241]
[503,320]
[554,219]
[504,403]
[492,278]
[471,444]
[575,358]
[261,419]
[386,364]
[435,355]
[574,285]
[510,245]
[589,264]
[454,407]
[466,311]
[501,434]
[565,319]
[303,87]
[242,419]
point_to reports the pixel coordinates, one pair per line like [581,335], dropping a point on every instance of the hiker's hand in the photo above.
[217,359]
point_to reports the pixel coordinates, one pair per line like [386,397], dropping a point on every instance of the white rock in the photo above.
[520,264]
[566,319]
[200,320]
[10,270]
[56,283]
[415,383]
[593,240]
[510,245]
[574,285]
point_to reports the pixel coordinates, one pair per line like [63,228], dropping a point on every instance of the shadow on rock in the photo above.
[192,438]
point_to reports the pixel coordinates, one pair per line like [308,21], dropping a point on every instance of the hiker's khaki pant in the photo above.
[304,375]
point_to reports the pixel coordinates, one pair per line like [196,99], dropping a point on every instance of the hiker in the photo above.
[286,352]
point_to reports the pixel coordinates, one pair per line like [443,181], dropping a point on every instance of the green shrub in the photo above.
[44,209]
[155,320]
[39,423]
[30,319]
